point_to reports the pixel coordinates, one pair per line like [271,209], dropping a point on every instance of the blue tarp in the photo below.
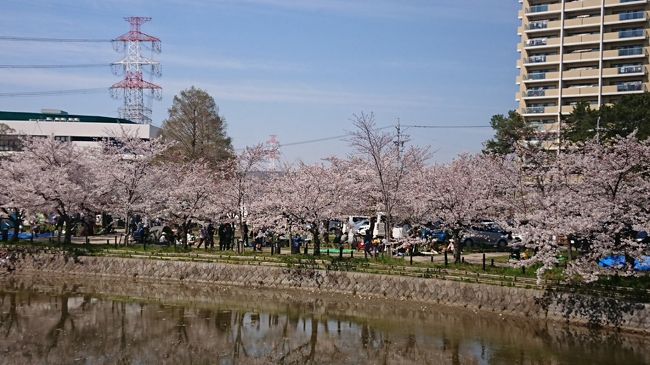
[619,261]
[28,236]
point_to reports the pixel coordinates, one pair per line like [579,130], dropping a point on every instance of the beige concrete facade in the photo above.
[579,50]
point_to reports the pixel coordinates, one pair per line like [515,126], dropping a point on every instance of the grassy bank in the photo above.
[636,289]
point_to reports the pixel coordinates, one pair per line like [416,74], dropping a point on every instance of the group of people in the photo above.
[206,236]
[226,233]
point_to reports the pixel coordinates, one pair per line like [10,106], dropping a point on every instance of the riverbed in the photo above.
[70,320]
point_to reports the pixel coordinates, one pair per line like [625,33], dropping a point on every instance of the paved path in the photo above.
[474,258]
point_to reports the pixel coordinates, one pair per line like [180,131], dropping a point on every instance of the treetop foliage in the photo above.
[197,129]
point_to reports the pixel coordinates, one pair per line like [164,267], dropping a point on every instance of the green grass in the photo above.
[381,265]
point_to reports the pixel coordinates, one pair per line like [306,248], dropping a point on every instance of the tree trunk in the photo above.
[59,229]
[313,340]
[186,227]
[16,219]
[127,229]
[326,234]
[67,239]
[241,233]
[387,227]
[316,233]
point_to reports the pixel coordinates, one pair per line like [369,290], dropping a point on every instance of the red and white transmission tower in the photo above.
[273,144]
[132,87]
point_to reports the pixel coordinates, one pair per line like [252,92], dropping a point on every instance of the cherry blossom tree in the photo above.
[51,176]
[186,192]
[240,187]
[597,196]
[8,211]
[126,174]
[465,191]
[308,195]
[386,163]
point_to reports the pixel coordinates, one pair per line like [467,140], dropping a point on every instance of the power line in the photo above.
[325,138]
[58,40]
[448,126]
[309,141]
[54,92]
[83,65]
[314,140]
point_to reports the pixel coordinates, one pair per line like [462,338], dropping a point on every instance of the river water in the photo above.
[104,321]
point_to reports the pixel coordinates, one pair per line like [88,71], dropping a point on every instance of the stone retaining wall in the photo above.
[531,303]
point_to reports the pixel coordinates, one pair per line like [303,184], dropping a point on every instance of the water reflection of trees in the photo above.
[74,325]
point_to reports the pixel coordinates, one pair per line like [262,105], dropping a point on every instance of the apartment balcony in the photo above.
[635,87]
[567,109]
[579,5]
[545,127]
[581,56]
[541,76]
[582,22]
[543,9]
[624,71]
[541,60]
[625,35]
[580,91]
[535,43]
[580,74]
[627,17]
[542,25]
[625,53]
[540,94]
[623,3]
[582,39]
[539,110]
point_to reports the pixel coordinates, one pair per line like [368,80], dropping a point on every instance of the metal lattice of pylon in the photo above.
[273,145]
[132,87]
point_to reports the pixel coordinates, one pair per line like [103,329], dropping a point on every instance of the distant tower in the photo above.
[273,144]
[132,87]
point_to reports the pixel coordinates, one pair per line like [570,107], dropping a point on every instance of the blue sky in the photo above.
[295,68]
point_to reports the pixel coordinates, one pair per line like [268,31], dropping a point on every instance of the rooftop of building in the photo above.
[50,115]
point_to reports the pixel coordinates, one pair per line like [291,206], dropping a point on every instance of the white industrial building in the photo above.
[84,130]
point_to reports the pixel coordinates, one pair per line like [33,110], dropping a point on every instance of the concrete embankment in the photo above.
[514,301]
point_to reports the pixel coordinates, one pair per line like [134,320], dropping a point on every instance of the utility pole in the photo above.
[400,140]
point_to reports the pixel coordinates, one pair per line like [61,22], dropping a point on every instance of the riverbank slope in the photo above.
[514,301]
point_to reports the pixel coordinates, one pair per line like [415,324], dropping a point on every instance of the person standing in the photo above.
[202,234]
[210,236]
[229,236]
[222,237]
[245,232]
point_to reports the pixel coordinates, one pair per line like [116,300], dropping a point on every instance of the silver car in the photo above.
[486,233]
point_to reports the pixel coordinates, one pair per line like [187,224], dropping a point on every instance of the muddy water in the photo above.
[101,321]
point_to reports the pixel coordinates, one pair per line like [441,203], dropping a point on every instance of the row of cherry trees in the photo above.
[595,195]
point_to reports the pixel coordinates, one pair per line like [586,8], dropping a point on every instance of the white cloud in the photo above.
[207,62]
[261,91]
[241,91]
[45,80]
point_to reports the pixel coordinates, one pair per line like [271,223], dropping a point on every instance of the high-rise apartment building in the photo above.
[579,50]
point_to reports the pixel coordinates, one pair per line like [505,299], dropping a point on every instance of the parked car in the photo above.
[334,225]
[362,227]
[486,233]
[433,233]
